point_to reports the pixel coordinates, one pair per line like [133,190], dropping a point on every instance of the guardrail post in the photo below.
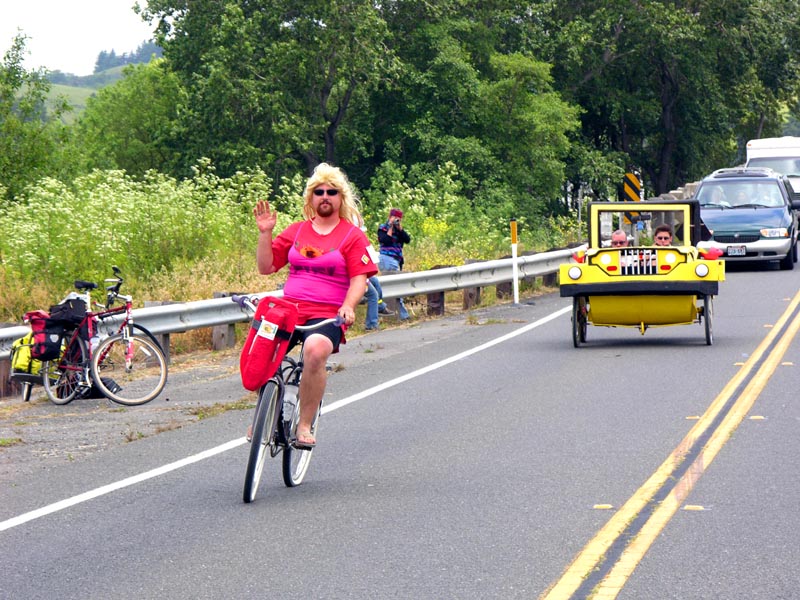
[223,336]
[504,290]
[6,387]
[436,299]
[472,295]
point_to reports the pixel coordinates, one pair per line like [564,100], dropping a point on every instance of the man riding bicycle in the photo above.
[328,270]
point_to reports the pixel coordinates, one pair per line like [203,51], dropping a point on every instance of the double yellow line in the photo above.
[659,496]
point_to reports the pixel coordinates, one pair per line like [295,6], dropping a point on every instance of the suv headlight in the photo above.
[775,232]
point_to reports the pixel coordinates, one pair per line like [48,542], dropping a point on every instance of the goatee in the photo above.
[325,209]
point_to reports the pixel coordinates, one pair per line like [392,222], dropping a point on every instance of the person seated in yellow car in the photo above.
[662,236]
[619,239]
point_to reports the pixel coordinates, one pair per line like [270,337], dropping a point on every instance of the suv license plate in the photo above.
[737,251]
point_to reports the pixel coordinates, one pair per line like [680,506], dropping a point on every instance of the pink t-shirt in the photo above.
[321,266]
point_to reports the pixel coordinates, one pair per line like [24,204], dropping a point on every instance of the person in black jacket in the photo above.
[391,238]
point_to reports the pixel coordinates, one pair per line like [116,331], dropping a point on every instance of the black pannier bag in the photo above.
[70,312]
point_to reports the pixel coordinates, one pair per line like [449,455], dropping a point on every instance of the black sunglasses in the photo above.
[319,192]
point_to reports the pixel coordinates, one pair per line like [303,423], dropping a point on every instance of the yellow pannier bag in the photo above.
[21,361]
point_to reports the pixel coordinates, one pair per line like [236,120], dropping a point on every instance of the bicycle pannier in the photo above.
[267,341]
[23,367]
[70,312]
[48,335]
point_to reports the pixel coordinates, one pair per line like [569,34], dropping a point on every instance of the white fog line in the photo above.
[111,487]
[123,483]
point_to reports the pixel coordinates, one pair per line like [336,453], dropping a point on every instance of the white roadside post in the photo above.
[514,266]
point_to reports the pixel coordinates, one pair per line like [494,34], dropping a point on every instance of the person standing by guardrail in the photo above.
[391,238]
[328,270]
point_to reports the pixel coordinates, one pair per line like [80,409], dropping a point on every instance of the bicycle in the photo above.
[276,415]
[129,353]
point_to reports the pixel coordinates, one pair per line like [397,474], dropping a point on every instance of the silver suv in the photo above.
[750,214]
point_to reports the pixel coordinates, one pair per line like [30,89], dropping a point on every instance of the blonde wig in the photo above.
[334,177]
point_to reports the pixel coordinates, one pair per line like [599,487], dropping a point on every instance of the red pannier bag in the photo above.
[267,341]
[48,335]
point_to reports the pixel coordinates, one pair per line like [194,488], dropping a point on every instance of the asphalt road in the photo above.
[462,458]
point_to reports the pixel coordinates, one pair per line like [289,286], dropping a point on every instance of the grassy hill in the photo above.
[76,96]
[79,89]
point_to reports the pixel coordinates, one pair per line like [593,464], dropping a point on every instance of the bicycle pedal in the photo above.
[297,446]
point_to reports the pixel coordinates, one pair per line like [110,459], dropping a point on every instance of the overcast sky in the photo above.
[67,35]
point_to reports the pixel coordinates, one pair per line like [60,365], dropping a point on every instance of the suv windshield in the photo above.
[740,194]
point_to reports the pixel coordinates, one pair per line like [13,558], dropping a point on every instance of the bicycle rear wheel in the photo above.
[129,372]
[65,379]
[296,460]
[263,436]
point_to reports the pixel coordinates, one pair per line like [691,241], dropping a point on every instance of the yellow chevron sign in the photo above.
[631,188]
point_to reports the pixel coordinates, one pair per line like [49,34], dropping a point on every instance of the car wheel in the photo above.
[787,262]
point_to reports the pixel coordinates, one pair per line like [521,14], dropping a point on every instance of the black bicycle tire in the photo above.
[131,383]
[68,379]
[146,331]
[261,438]
[296,460]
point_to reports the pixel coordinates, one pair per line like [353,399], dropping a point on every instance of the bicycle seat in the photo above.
[80,284]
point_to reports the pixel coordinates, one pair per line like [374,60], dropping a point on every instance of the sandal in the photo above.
[304,440]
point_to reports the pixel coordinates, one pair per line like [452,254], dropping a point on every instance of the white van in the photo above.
[780,154]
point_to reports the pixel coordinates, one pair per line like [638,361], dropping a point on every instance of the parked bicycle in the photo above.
[274,428]
[125,363]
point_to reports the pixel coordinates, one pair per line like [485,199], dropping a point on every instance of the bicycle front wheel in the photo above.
[65,379]
[262,437]
[296,460]
[129,371]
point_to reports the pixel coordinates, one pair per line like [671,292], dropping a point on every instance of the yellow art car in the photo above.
[635,283]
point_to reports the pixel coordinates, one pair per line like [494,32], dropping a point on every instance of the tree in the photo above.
[671,84]
[272,81]
[31,139]
[132,124]
[465,96]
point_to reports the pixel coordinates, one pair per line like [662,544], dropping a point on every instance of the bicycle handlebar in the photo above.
[250,302]
[245,301]
[112,291]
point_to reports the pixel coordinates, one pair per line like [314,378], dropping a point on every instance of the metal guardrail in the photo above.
[184,316]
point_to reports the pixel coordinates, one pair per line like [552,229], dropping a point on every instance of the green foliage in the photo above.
[62,232]
[130,125]
[273,81]
[673,88]
[31,133]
